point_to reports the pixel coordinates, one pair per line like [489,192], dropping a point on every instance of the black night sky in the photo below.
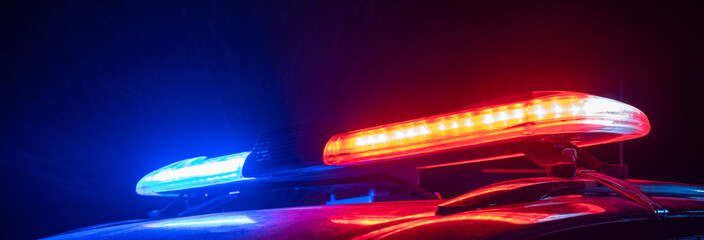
[96,94]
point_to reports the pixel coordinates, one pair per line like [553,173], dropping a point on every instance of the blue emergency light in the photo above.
[193,173]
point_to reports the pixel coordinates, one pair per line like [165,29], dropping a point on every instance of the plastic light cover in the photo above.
[193,173]
[552,114]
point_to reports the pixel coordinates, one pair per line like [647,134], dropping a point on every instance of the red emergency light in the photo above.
[582,119]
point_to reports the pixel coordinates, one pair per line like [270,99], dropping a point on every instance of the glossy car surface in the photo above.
[546,218]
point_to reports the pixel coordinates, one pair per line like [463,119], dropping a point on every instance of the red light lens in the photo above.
[585,119]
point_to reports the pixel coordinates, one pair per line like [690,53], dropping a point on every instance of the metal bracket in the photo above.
[533,189]
[562,159]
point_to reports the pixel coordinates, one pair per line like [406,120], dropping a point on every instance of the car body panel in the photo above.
[394,220]
[314,222]
[528,220]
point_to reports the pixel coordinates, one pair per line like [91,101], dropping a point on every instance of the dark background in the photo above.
[96,94]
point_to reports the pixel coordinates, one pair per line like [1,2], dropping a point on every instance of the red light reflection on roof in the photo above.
[519,218]
[375,219]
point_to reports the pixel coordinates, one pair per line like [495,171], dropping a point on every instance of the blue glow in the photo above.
[193,173]
[214,221]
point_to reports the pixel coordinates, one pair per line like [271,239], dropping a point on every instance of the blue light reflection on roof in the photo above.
[214,221]
[193,173]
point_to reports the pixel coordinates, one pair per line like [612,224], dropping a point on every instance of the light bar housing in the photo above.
[577,118]
[193,173]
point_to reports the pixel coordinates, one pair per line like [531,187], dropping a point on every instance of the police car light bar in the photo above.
[193,173]
[582,118]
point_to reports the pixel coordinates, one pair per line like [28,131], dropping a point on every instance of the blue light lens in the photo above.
[193,173]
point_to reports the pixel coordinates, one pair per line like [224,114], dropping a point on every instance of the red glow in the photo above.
[495,170]
[374,219]
[487,190]
[519,218]
[576,209]
[590,208]
[559,113]
[509,217]
[572,210]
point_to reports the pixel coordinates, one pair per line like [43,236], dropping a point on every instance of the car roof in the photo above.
[372,220]
[315,222]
